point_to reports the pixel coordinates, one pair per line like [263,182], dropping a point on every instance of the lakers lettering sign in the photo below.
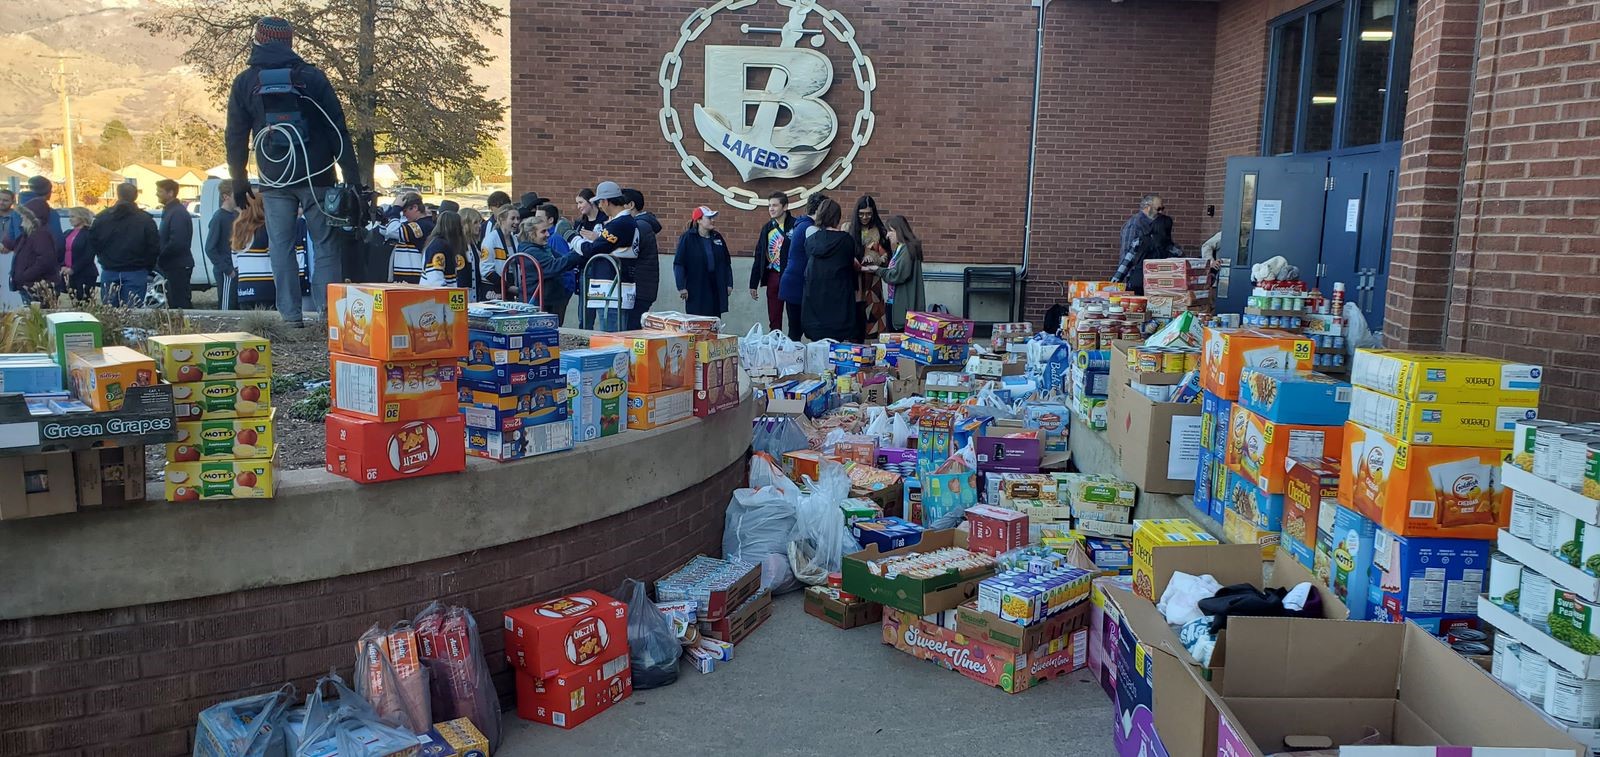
[784,130]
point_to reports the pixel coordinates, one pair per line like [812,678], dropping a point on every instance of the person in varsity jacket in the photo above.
[410,233]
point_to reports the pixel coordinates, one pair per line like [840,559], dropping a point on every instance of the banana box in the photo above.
[1229,351]
[1447,377]
[1448,424]
[394,390]
[186,358]
[223,439]
[224,398]
[1423,490]
[1258,448]
[657,360]
[221,479]
[397,321]
[101,378]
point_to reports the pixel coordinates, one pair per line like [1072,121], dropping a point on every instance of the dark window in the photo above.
[1328,26]
[1402,68]
[1247,217]
[1288,48]
[1369,73]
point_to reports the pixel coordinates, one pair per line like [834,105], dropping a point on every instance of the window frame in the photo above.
[1401,46]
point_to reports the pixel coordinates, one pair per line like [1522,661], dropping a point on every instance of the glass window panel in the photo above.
[1402,76]
[1325,55]
[1247,218]
[1369,73]
[1286,85]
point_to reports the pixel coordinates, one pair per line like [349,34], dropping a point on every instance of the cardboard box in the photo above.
[513,418]
[886,533]
[657,360]
[1449,377]
[1204,484]
[1256,506]
[845,615]
[568,700]
[1258,447]
[739,623]
[524,399]
[187,358]
[507,379]
[995,530]
[397,321]
[708,402]
[72,332]
[1008,669]
[597,382]
[1157,444]
[518,443]
[109,476]
[1434,583]
[1283,396]
[366,451]
[1312,486]
[989,627]
[33,486]
[454,738]
[1421,490]
[213,400]
[101,378]
[1241,529]
[390,391]
[716,373]
[1229,351]
[146,417]
[29,372]
[508,317]
[719,603]
[496,359]
[1344,558]
[1157,535]
[1216,421]
[1008,446]
[716,349]
[657,409]
[224,439]
[918,596]
[221,479]
[1440,423]
[583,630]
[935,353]
[938,328]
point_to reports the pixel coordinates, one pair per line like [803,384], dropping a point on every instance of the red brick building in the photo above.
[1444,154]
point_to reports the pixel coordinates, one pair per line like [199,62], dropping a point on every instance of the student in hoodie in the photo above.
[645,271]
[830,310]
[36,198]
[617,237]
[533,238]
[702,267]
[294,171]
[771,253]
[127,246]
[792,285]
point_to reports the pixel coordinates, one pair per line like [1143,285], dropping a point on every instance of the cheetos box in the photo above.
[565,635]
[397,321]
[367,451]
[657,360]
[393,390]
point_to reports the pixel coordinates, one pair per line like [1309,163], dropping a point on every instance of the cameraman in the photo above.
[286,109]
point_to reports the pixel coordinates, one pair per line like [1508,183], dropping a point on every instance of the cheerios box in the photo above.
[1309,496]
[186,358]
[1162,533]
[393,390]
[223,439]
[220,479]
[1423,490]
[397,321]
[657,360]
[101,378]
[565,634]
[1447,423]
[1258,447]
[224,398]
[1447,377]
[1229,351]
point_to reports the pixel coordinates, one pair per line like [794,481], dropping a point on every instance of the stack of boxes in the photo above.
[1089,384]
[392,356]
[512,392]
[570,657]
[661,368]
[716,375]
[222,385]
[1211,469]
[1101,506]
[1175,285]
[936,339]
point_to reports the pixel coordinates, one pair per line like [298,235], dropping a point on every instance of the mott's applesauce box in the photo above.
[187,358]
[1229,351]
[101,378]
[1257,447]
[397,321]
[220,479]
[597,388]
[1423,490]
[1159,533]
[240,398]
[657,360]
[223,439]
[1449,377]
[1452,424]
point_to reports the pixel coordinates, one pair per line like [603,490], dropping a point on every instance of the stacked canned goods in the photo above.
[1178,360]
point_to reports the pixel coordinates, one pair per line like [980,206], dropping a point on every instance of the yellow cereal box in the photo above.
[1450,424]
[186,358]
[101,378]
[1447,377]
[1150,535]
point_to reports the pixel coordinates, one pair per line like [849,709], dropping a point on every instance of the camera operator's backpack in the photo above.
[280,93]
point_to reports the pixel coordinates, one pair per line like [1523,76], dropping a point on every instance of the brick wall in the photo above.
[130,681]
[1236,94]
[1526,285]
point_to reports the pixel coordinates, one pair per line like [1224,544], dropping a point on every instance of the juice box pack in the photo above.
[397,321]
[390,391]
[1285,396]
[1443,423]
[1258,448]
[223,438]
[186,358]
[657,360]
[1447,377]
[1229,351]
[223,398]
[597,385]
[101,378]
[1423,490]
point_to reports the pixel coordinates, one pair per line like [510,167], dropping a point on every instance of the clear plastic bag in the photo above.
[253,726]
[653,650]
[989,405]
[822,538]
[356,732]
[389,675]
[321,708]
[458,674]
[776,435]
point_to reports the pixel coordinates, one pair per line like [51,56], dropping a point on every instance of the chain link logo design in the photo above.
[797,80]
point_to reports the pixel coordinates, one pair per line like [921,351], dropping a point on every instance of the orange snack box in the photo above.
[657,360]
[1423,490]
[397,321]
[1229,351]
[101,377]
[389,391]
[1258,448]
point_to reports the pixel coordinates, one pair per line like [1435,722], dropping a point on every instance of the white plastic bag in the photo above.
[788,355]
[1360,335]
[822,539]
[749,352]
[819,356]
[989,405]
[901,432]
[879,426]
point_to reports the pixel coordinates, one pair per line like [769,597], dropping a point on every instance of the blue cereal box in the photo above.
[1297,397]
[1203,471]
[513,418]
[597,390]
[29,373]
[1344,558]
[518,443]
[1254,505]
[1214,414]
[1434,582]
[888,533]
[928,353]
[508,379]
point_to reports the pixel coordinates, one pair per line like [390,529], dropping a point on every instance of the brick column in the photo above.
[1431,172]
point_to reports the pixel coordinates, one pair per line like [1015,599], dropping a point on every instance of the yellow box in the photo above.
[1150,535]
[223,439]
[1438,423]
[455,738]
[1241,530]
[224,398]
[656,409]
[1448,377]
[221,479]
[187,358]
[712,350]
[101,378]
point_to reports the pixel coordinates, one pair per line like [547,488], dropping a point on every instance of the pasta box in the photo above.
[397,321]
[101,378]
[224,398]
[1229,351]
[367,451]
[570,699]
[394,390]
[223,438]
[597,383]
[938,328]
[220,479]
[517,443]
[583,630]
[657,360]
[1285,396]
[1423,490]
[186,358]
[1259,447]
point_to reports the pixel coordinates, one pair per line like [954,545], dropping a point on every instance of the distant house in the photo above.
[9,174]
[145,176]
[28,166]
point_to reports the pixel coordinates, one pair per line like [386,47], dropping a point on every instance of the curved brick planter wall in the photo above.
[131,680]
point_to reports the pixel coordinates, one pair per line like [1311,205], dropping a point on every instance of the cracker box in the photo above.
[1448,377]
[1089,491]
[390,391]
[657,409]
[1432,582]
[934,353]
[995,530]
[568,700]
[69,333]
[187,358]
[1258,447]
[1344,559]
[1229,351]
[223,439]
[220,479]
[367,451]
[494,359]
[508,379]
[1312,488]
[938,328]
[715,400]
[597,383]
[491,418]
[509,317]
[658,360]
[101,378]
[716,349]
[397,321]
[224,398]
[1161,533]
[716,373]
[886,533]
[1423,490]
[583,630]
[518,442]
[1448,424]
[454,738]
[1285,396]
[527,398]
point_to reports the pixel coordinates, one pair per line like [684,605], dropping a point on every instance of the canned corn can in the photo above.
[1591,472]
[1150,360]
[1574,458]
[1522,440]
[1172,361]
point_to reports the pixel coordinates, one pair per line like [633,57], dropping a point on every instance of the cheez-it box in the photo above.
[566,634]
[397,321]
[367,451]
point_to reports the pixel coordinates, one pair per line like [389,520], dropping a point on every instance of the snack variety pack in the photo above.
[397,321]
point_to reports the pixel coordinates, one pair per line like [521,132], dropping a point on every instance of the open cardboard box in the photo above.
[918,596]
[1337,679]
[1154,440]
[1121,373]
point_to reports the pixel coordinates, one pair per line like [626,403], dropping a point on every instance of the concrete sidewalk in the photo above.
[799,686]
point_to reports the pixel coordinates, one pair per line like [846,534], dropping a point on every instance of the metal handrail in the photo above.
[522,275]
[614,294]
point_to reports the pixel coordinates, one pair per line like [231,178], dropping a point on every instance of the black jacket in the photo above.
[219,242]
[707,285]
[84,274]
[125,238]
[645,271]
[177,236]
[828,310]
[758,266]
[247,117]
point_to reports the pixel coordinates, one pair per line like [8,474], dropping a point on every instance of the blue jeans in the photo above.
[124,288]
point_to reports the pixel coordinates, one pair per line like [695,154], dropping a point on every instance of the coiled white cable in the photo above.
[293,157]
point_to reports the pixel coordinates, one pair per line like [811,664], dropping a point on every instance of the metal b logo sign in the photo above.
[783,129]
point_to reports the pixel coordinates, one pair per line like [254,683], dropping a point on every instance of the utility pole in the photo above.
[65,92]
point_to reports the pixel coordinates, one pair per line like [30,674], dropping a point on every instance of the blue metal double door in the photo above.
[1332,216]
